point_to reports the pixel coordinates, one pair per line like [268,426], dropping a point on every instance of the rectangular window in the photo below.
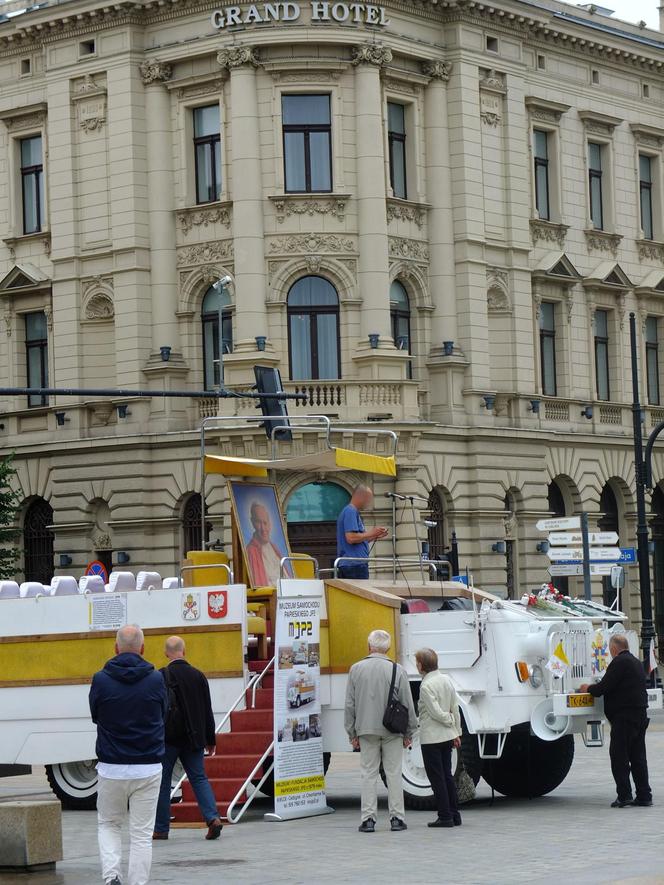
[36,351]
[32,184]
[396,137]
[548,348]
[595,185]
[541,152]
[207,152]
[645,195]
[307,131]
[602,354]
[652,360]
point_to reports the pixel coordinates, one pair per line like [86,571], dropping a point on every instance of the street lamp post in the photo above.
[642,473]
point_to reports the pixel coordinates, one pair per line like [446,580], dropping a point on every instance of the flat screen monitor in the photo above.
[276,424]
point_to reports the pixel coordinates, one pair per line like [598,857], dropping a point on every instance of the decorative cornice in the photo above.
[286,205]
[400,210]
[548,232]
[492,81]
[602,241]
[600,124]
[370,54]
[411,250]
[545,110]
[437,70]
[650,250]
[153,71]
[197,216]
[649,136]
[27,117]
[205,253]
[237,56]
[310,243]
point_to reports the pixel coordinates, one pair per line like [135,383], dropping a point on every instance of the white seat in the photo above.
[64,585]
[48,589]
[91,584]
[170,584]
[9,590]
[121,582]
[28,589]
[148,581]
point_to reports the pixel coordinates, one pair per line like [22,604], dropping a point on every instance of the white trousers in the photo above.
[113,796]
[389,750]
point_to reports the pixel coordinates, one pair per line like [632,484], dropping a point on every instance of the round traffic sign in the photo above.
[97,568]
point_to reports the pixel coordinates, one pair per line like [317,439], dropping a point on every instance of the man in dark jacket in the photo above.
[128,703]
[189,729]
[625,705]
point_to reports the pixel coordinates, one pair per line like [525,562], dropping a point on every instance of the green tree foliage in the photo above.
[8,530]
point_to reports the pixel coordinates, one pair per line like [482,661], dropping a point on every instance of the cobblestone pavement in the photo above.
[571,836]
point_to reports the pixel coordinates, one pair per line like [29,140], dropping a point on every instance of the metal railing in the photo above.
[432,564]
[297,557]
[191,568]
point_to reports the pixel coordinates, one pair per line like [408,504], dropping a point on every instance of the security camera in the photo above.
[220,284]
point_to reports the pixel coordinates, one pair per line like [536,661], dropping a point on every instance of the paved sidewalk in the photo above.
[569,837]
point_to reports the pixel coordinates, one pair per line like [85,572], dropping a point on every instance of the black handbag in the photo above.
[396,714]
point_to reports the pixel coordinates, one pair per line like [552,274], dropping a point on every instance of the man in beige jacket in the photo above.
[366,699]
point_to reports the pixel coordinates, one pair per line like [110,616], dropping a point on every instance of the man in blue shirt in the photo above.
[352,538]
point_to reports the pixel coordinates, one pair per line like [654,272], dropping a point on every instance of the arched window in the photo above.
[313,330]
[191,524]
[400,320]
[38,542]
[215,302]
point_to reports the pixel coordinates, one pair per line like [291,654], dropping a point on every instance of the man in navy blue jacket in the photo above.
[128,703]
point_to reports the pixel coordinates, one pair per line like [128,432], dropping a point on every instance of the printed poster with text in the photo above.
[299,781]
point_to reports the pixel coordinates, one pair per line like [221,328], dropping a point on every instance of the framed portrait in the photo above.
[261,530]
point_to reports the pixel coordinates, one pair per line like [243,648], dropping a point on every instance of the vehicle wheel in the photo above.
[418,794]
[268,787]
[75,784]
[529,766]
[298,701]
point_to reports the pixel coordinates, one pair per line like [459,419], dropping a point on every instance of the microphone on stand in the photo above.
[394,495]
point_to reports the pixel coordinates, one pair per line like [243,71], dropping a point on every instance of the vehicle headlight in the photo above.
[536,676]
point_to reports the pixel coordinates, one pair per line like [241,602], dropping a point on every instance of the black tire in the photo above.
[268,787]
[471,760]
[529,766]
[75,784]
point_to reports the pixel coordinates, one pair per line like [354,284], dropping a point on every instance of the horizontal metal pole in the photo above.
[122,394]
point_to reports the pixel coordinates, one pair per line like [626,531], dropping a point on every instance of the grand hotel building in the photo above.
[436,216]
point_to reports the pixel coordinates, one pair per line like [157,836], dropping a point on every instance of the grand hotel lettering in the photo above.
[321,11]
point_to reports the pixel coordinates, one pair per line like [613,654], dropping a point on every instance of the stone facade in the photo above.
[125,255]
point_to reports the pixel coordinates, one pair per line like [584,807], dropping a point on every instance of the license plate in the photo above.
[580,700]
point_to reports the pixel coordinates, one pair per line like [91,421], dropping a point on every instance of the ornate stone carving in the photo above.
[99,307]
[236,56]
[537,301]
[622,304]
[649,250]
[48,313]
[544,115]
[601,241]
[393,85]
[8,317]
[89,97]
[189,218]
[548,232]
[273,268]
[155,72]
[497,296]
[491,118]
[212,87]
[313,263]
[492,81]
[310,243]
[204,253]
[371,54]
[437,70]
[102,541]
[569,301]
[305,76]
[46,243]
[286,207]
[25,121]
[400,247]
[397,211]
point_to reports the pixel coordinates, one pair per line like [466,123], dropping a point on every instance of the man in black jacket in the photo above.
[625,705]
[189,729]
[128,704]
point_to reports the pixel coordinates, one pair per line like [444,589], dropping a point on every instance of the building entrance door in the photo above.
[311,514]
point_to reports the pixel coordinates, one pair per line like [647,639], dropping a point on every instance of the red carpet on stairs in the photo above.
[238,751]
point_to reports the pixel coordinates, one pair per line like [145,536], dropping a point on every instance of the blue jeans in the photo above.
[192,761]
[354,570]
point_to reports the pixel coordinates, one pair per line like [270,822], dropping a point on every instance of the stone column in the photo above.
[439,196]
[248,233]
[161,218]
[374,268]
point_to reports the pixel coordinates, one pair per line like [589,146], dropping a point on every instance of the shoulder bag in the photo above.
[396,714]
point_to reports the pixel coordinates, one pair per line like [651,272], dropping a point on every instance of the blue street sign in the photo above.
[627,557]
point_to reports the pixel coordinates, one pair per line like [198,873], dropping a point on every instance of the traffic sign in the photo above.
[569,538]
[627,555]
[572,568]
[561,523]
[575,554]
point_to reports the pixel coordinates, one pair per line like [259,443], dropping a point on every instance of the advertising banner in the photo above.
[299,781]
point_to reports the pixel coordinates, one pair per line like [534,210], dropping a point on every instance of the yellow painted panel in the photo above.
[303,568]
[48,660]
[351,619]
[324,647]
[205,577]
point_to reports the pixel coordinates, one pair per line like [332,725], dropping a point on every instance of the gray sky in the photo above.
[635,10]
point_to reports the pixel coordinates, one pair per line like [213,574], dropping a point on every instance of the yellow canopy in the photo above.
[327,461]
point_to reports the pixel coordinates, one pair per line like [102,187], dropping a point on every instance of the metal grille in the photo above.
[191,524]
[576,648]
[38,542]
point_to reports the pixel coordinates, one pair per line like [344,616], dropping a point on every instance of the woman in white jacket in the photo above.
[440,731]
